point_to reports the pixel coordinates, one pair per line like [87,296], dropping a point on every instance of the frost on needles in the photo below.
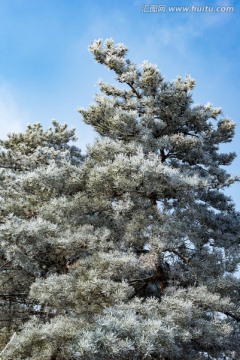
[130,251]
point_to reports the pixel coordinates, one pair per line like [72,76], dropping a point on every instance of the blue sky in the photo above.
[47,73]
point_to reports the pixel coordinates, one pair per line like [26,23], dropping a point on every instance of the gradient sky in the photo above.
[47,73]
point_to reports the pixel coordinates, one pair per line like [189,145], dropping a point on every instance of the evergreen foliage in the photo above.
[129,251]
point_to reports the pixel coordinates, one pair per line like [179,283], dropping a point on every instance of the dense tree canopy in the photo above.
[129,251]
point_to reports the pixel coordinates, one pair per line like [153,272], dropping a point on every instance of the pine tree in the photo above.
[131,251]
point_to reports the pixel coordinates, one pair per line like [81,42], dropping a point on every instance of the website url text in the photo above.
[193,8]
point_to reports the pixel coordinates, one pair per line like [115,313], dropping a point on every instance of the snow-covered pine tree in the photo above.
[131,251]
[30,163]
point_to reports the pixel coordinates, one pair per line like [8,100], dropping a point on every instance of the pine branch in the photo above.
[163,155]
[10,296]
[232,316]
[181,256]
[134,90]
[13,167]
[2,352]
[159,276]
[184,258]
[7,262]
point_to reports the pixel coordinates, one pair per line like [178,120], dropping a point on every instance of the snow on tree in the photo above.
[129,252]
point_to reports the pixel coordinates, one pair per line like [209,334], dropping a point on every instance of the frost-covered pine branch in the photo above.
[131,251]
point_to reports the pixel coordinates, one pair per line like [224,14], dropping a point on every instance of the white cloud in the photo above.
[11,116]
[179,34]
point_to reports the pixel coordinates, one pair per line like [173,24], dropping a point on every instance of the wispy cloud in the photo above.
[11,116]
